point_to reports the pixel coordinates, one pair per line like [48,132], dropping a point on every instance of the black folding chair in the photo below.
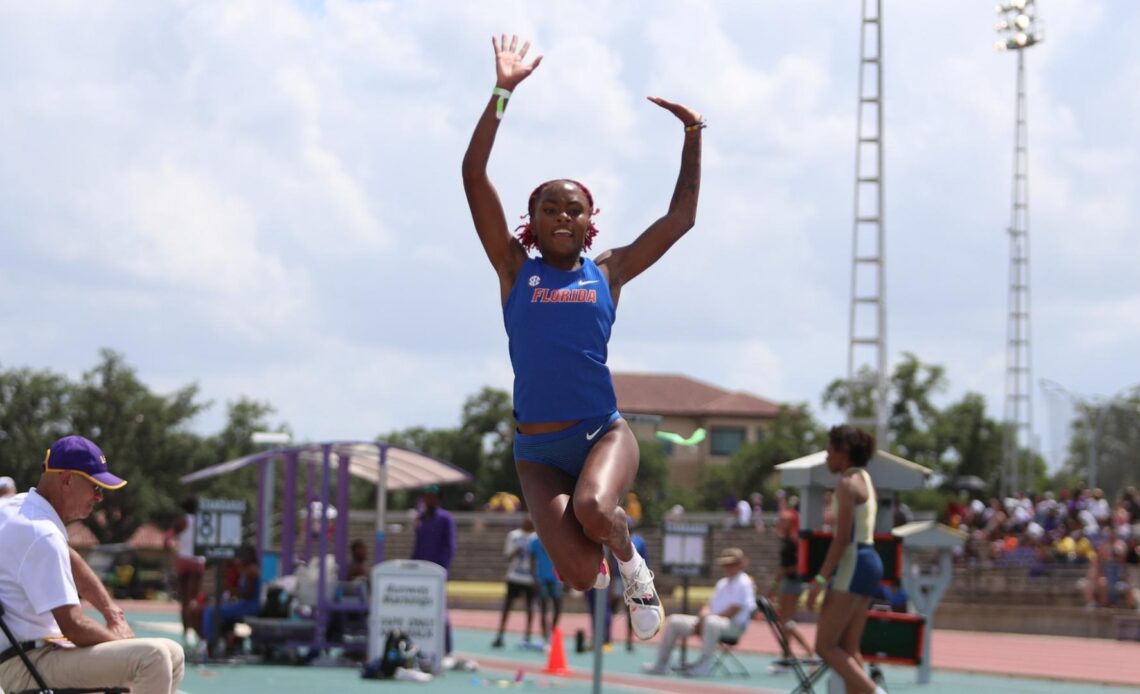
[726,661]
[41,685]
[807,678]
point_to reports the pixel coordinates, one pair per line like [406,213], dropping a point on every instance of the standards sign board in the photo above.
[217,528]
[684,549]
[408,595]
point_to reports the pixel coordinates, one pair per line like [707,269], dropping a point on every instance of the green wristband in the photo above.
[503,95]
[820,579]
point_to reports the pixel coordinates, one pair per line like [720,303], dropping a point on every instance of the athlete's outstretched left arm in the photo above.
[623,264]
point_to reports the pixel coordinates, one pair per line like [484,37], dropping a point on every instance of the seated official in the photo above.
[726,615]
[42,579]
[358,568]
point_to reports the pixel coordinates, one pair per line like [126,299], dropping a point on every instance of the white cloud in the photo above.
[265,197]
[581,82]
[357,390]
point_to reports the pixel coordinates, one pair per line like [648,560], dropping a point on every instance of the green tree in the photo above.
[794,433]
[967,441]
[714,485]
[912,416]
[652,480]
[1114,428]
[455,446]
[959,439]
[489,416]
[243,417]
[145,437]
[482,445]
[33,414]
[841,392]
[911,413]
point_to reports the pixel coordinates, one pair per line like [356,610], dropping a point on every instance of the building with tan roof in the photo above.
[679,404]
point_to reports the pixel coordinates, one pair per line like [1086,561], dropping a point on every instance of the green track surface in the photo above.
[285,679]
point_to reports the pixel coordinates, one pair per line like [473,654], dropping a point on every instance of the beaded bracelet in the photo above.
[694,127]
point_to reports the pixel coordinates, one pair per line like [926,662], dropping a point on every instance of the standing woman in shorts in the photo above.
[576,457]
[188,567]
[788,585]
[852,565]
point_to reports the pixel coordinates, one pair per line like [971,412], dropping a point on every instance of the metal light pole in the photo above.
[867,335]
[1019,29]
[1096,409]
[267,483]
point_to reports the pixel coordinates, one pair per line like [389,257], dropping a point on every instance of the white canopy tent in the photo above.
[407,468]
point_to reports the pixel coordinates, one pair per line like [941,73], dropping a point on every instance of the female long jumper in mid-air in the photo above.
[576,457]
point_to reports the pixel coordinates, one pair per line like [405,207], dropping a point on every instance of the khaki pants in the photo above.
[679,626]
[147,666]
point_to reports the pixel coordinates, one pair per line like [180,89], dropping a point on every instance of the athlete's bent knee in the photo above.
[596,520]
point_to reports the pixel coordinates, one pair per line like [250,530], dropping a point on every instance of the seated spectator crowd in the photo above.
[1073,527]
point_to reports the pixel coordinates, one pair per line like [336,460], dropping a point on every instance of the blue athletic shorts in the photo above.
[860,570]
[566,449]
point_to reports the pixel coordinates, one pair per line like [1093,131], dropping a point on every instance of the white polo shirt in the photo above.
[35,568]
[518,570]
[738,590]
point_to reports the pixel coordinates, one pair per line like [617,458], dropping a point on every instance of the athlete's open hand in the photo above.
[686,115]
[815,594]
[510,65]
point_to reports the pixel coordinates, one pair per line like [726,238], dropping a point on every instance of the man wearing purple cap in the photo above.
[41,580]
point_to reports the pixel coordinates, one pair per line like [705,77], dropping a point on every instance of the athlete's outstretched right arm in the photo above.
[503,250]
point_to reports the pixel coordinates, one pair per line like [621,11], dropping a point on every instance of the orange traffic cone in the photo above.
[556,662]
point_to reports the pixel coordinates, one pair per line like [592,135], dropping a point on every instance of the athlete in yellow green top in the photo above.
[852,564]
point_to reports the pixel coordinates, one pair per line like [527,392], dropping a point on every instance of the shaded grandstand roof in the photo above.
[670,394]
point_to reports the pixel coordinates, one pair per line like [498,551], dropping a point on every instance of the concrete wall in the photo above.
[989,599]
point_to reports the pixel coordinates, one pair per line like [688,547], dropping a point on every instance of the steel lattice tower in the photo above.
[867,345]
[1020,31]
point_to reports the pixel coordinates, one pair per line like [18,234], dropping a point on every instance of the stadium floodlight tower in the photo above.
[1018,29]
[867,343]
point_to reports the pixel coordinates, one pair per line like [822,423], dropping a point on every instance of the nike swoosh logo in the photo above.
[582,283]
[590,437]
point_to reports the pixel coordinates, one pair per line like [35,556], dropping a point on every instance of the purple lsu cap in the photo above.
[77,454]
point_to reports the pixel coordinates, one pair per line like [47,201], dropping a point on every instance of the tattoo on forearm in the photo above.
[689,180]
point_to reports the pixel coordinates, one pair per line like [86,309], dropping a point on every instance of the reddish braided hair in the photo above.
[526,236]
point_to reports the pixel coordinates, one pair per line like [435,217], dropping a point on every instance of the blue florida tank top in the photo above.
[558,324]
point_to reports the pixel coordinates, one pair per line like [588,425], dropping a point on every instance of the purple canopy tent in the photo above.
[388,466]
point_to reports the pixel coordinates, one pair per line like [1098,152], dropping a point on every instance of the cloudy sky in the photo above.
[264,197]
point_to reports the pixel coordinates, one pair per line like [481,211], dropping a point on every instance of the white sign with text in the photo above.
[217,528]
[409,595]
